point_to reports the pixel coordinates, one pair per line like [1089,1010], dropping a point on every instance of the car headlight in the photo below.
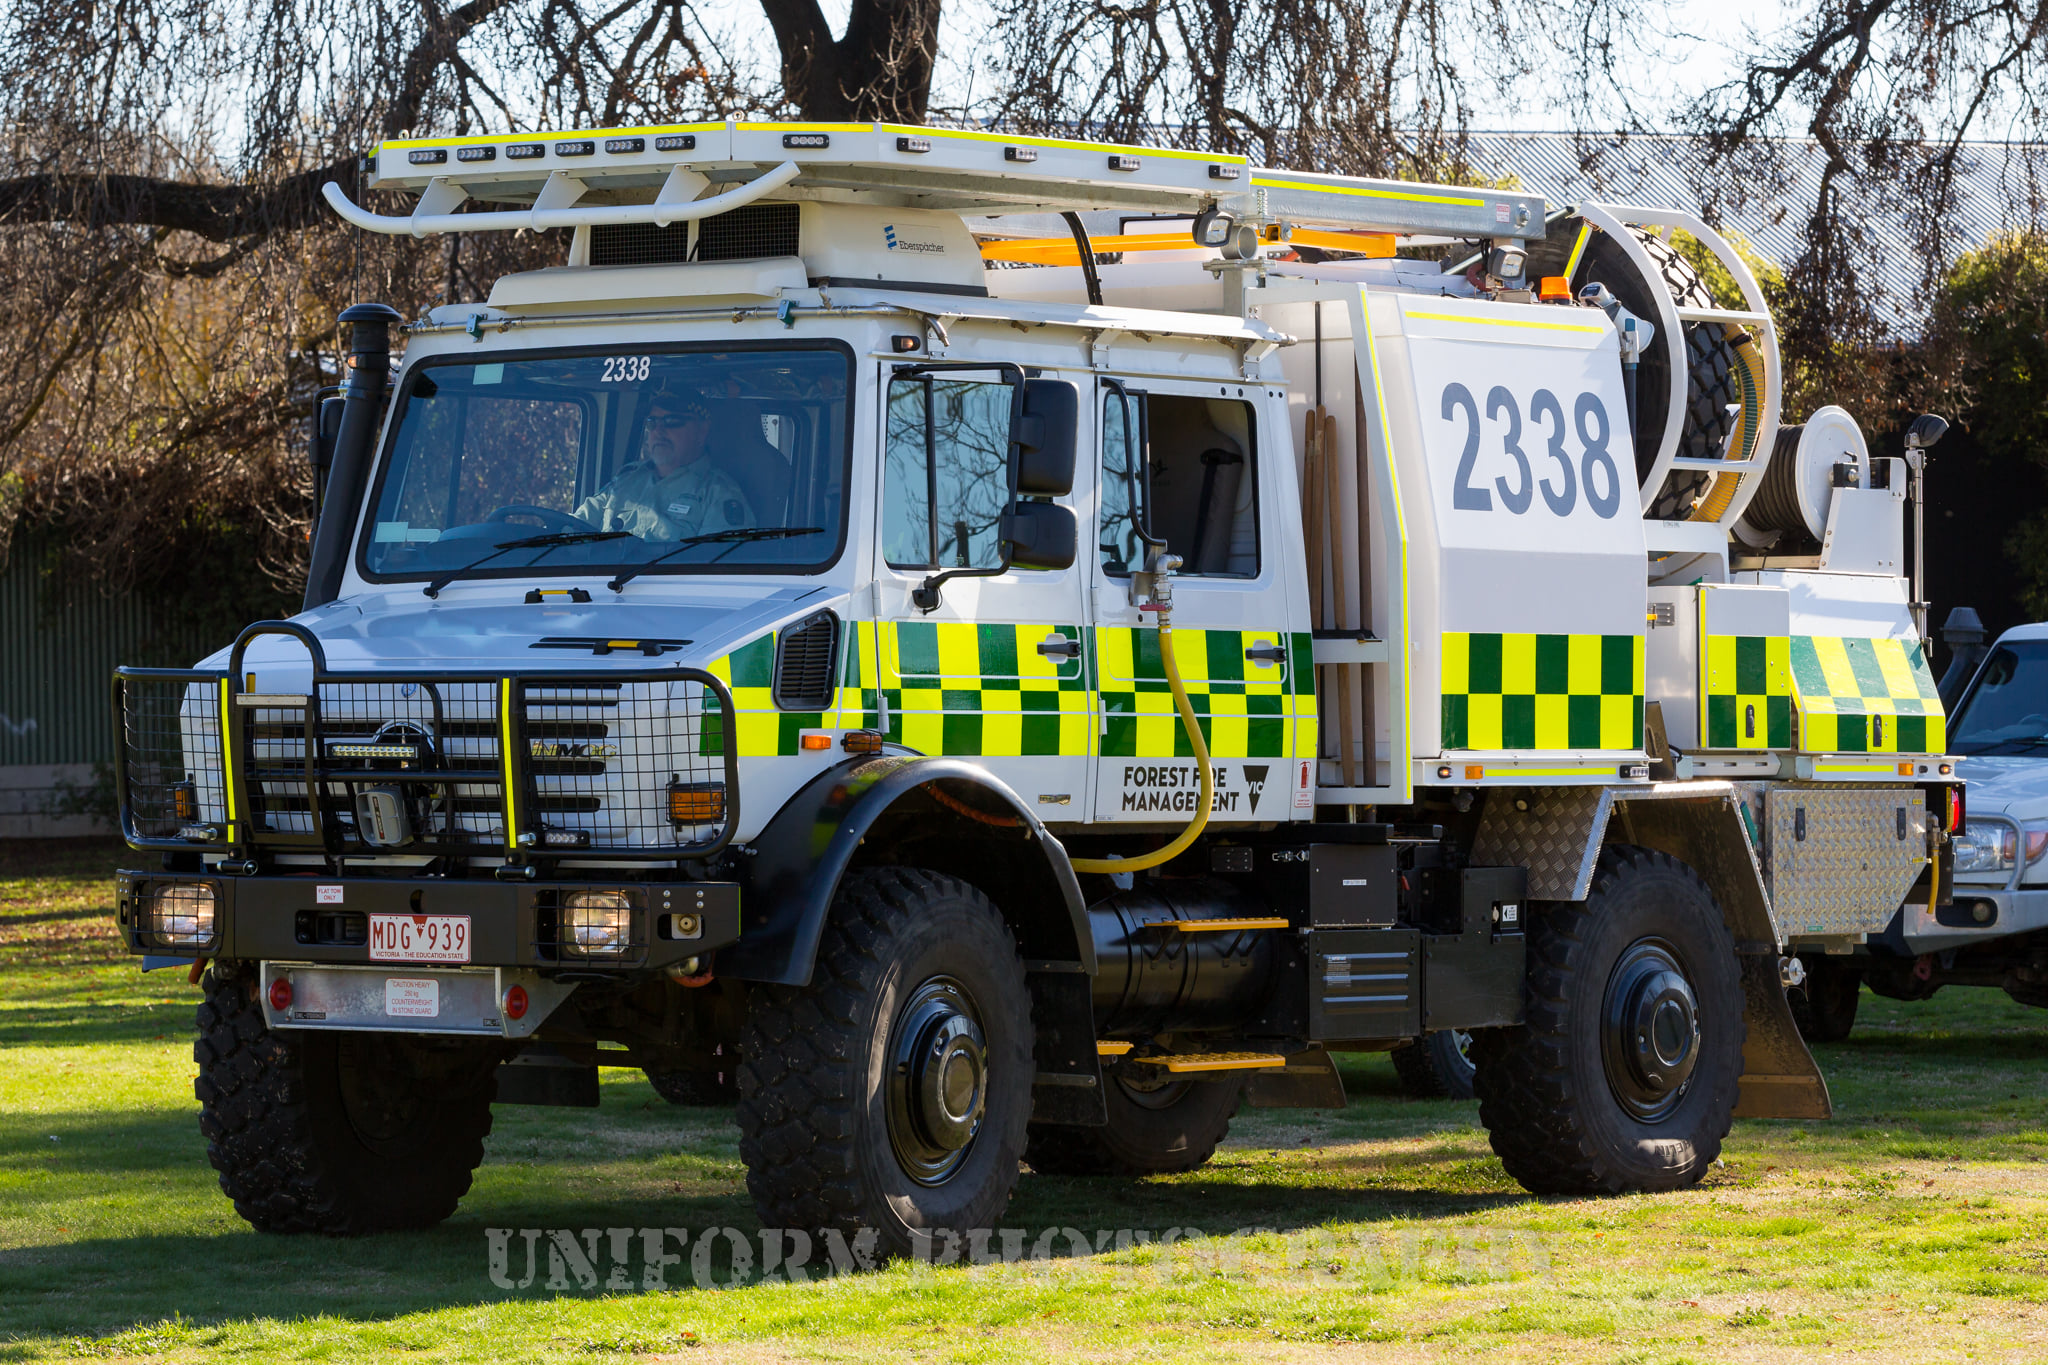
[179,915]
[596,924]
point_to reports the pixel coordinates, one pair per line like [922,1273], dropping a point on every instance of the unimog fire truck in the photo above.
[1030,645]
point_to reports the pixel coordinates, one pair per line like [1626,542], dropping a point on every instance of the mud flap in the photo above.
[1779,1078]
[1067,1086]
[1308,1081]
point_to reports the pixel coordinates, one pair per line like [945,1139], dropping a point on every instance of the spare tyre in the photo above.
[1713,376]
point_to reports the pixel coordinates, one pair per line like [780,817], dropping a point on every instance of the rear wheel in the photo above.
[1624,1075]
[1157,1124]
[1824,1007]
[1436,1066]
[892,1092]
[341,1133]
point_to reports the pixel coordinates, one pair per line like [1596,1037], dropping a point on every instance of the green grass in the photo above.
[1913,1226]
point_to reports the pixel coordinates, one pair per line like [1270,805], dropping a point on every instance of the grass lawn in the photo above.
[1914,1226]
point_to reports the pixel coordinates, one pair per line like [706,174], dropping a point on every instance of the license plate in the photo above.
[419,938]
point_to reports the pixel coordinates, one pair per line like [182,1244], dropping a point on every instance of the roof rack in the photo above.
[675,173]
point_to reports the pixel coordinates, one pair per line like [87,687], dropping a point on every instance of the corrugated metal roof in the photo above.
[2000,186]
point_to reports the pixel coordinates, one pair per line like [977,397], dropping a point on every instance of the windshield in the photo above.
[2006,711]
[703,460]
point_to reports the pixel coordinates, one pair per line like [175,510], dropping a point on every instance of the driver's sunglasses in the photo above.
[671,421]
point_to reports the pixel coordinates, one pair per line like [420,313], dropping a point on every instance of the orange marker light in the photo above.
[1554,289]
[1474,772]
[814,742]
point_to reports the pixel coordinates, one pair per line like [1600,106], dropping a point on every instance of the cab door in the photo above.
[993,671]
[1201,469]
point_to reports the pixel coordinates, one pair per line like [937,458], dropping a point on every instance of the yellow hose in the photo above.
[1750,361]
[1201,821]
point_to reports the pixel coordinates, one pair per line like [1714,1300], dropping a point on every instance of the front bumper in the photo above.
[325,920]
[2014,910]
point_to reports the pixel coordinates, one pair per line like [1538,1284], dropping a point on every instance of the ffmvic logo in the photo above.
[896,243]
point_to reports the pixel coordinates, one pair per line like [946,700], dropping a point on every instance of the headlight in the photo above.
[179,915]
[596,924]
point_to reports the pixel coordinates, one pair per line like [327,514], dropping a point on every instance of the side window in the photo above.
[1199,489]
[943,504]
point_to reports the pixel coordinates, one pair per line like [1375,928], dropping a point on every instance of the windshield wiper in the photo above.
[737,535]
[549,541]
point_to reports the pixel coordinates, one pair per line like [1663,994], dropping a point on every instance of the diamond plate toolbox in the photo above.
[1840,860]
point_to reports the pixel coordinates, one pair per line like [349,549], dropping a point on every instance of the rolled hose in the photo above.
[1195,826]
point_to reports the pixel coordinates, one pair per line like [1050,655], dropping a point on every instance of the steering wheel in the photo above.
[548,517]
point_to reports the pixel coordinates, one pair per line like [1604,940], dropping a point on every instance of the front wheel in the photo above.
[1624,1076]
[340,1133]
[892,1092]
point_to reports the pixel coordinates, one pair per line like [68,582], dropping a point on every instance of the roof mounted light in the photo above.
[1020,153]
[617,145]
[1119,162]
[913,144]
[582,146]
[1224,171]
[526,151]
[806,141]
[476,153]
[427,156]
[676,142]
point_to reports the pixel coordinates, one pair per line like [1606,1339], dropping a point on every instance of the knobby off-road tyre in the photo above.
[1155,1127]
[1624,1076]
[1824,1007]
[1712,371]
[337,1133]
[1436,1066]
[892,1092]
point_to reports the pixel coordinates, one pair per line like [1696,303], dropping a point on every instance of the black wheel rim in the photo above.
[1650,1030]
[938,1080]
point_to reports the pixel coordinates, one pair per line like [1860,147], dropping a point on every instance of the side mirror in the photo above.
[1041,535]
[1047,436]
[326,431]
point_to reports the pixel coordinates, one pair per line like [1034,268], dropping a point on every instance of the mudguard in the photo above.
[791,872]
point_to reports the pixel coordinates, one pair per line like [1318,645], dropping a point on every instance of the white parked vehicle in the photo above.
[1029,644]
[1993,930]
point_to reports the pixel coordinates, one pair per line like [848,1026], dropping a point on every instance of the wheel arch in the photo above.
[942,814]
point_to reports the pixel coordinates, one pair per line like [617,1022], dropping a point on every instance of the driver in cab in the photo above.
[674,489]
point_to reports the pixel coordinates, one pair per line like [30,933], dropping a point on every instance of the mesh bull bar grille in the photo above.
[613,764]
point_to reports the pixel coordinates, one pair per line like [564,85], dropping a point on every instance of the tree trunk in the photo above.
[881,71]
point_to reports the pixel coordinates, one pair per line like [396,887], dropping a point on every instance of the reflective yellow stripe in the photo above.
[1506,322]
[1360,192]
[804,127]
[1504,769]
[511,768]
[227,758]
[1571,266]
[1166,153]
[1886,768]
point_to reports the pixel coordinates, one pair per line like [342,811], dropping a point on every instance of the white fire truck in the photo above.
[1030,645]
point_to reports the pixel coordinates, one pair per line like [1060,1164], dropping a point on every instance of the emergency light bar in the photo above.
[682,172]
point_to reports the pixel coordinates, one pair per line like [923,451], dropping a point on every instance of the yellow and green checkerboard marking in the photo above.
[977,690]
[1866,696]
[1747,690]
[1515,691]
[959,687]
[1240,715]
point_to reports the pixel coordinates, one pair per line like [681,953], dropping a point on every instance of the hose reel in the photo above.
[1808,463]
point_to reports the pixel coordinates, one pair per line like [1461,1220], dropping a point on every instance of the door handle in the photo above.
[1060,647]
[1266,655]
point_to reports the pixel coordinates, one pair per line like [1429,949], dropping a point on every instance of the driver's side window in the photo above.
[476,454]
